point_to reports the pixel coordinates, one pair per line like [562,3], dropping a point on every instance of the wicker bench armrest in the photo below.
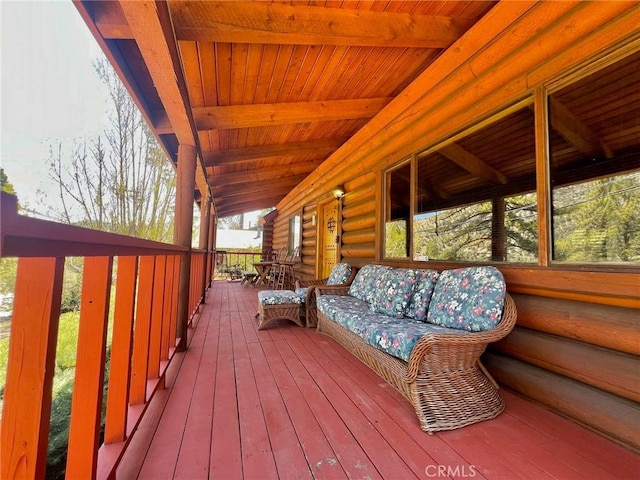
[332,290]
[453,340]
[310,283]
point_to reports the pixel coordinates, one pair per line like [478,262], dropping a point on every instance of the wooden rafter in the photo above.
[285,183]
[574,131]
[471,163]
[264,23]
[248,154]
[248,205]
[263,174]
[151,26]
[265,115]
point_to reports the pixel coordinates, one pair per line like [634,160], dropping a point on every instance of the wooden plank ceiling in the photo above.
[268,90]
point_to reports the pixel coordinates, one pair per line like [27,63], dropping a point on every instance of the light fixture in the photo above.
[338,192]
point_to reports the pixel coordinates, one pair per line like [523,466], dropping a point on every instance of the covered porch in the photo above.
[287,402]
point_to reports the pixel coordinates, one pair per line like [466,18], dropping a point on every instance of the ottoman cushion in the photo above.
[278,297]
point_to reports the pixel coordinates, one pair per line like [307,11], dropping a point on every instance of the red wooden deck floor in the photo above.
[288,402]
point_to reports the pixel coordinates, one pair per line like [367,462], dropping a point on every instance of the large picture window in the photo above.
[475,196]
[595,160]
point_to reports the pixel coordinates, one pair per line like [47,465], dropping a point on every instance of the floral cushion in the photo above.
[277,297]
[394,292]
[422,293]
[468,299]
[339,274]
[333,306]
[302,293]
[393,336]
[367,279]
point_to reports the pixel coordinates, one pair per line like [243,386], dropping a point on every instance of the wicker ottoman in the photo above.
[278,304]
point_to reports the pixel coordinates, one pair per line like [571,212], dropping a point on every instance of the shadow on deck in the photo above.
[288,402]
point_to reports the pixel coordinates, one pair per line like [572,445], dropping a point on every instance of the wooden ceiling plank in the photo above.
[245,116]
[575,131]
[258,22]
[471,163]
[247,154]
[191,66]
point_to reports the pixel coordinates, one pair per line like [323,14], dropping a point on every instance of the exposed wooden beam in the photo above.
[262,152]
[249,205]
[574,131]
[262,23]
[150,24]
[266,115]
[261,175]
[471,163]
[114,31]
[278,185]
[265,198]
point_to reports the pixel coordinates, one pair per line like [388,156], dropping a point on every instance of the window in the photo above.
[594,142]
[294,233]
[475,196]
[398,212]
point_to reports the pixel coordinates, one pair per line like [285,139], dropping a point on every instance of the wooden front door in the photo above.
[330,229]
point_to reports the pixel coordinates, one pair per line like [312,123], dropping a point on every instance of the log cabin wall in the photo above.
[576,348]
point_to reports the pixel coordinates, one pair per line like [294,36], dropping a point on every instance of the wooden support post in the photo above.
[182,233]
[204,240]
[211,244]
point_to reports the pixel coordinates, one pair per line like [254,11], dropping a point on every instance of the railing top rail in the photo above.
[22,236]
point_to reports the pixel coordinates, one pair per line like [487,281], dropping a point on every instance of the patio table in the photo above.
[263,269]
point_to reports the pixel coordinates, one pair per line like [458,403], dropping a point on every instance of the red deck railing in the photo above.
[145,305]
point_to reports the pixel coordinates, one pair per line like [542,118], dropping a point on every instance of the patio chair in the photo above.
[341,275]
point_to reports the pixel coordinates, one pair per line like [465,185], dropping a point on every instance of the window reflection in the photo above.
[595,158]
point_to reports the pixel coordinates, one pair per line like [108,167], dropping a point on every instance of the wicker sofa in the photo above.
[423,332]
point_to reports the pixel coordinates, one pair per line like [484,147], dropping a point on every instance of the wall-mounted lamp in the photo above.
[338,192]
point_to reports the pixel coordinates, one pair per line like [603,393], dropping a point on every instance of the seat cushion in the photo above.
[395,336]
[469,298]
[302,293]
[339,274]
[277,297]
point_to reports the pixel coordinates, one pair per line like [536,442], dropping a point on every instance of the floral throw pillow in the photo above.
[422,293]
[468,299]
[394,291]
[365,283]
[339,274]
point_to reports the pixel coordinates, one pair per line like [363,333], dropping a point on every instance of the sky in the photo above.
[49,92]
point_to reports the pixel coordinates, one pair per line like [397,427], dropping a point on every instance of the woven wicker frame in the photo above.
[443,380]
[269,313]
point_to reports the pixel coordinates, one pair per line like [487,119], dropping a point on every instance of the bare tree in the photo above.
[120,181]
